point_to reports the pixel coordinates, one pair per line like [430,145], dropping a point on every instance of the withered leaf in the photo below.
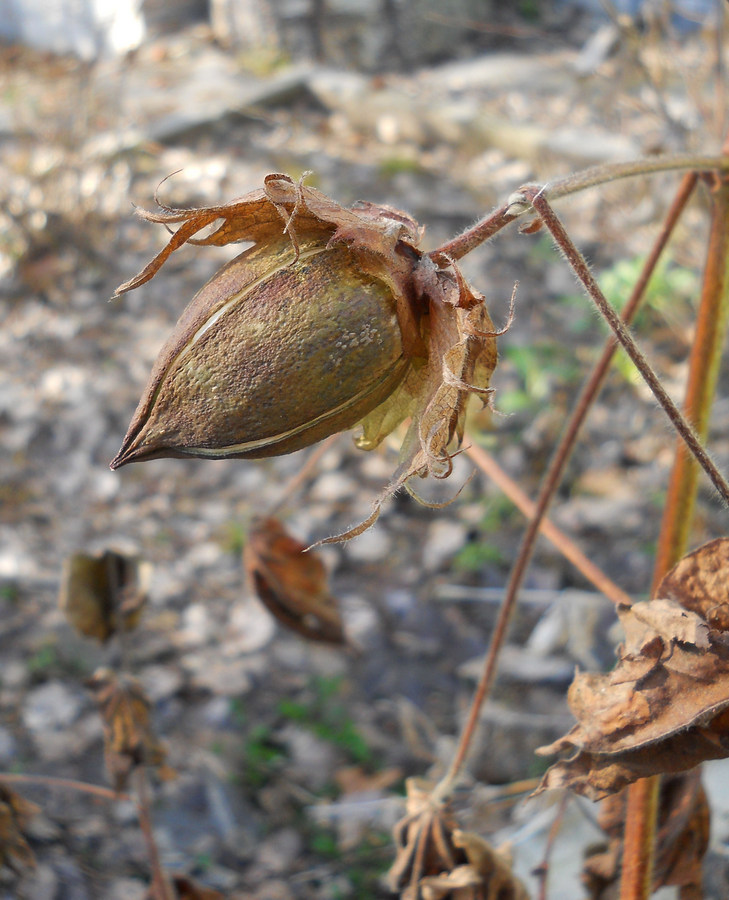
[129,738]
[15,813]
[682,838]
[104,593]
[699,583]
[291,583]
[435,860]
[334,317]
[665,707]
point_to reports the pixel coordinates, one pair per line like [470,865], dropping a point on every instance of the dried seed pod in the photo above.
[277,351]
[333,319]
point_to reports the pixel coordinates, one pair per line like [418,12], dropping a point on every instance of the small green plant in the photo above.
[325,715]
[474,555]
[262,756]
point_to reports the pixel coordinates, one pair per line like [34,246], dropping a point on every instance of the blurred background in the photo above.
[290,757]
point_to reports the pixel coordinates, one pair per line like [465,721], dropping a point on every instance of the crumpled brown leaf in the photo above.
[665,706]
[104,593]
[15,813]
[682,838]
[437,861]
[129,738]
[239,406]
[291,584]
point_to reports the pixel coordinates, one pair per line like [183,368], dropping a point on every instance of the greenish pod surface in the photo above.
[270,356]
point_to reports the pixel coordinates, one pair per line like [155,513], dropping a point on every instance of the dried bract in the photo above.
[129,738]
[437,861]
[333,317]
[104,593]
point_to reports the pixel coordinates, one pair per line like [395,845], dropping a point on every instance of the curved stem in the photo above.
[562,187]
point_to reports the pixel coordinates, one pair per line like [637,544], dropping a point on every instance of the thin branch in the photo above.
[517,205]
[300,477]
[550,483]
[678,514]
[161,888]
[561,541]
[576,260]
[69,783]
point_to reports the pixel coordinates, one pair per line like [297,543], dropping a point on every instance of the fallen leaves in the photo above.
[665,706]
[291,583]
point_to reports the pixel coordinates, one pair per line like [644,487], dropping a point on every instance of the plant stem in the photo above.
[561,187]
[550,482]
[51,781]
[561,541]
[640,817]
[703,374]
[577,261]
[161,888]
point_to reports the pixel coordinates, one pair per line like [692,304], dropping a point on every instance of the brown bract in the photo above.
[665,706]
[129,738]
[333,317]
[437,861]
[103,594]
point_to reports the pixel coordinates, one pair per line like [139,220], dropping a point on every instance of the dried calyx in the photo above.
[333,317]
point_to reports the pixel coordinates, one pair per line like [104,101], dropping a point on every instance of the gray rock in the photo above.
[51,707]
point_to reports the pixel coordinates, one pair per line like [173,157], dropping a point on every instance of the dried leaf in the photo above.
[334,317]
[103,594]
[699,583]
[665,707]
[291,583]
[435,860]
[682,838]
[15,813]
[129,738]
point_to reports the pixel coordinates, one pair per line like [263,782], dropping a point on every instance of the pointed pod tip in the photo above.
[117,462]
[125,455]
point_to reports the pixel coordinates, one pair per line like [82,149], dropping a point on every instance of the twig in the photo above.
[161,888]
[542,871]
[550,483]
[561,541]
[51,781]
[643,796]
[577,261]
[299,477]
[562,187]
